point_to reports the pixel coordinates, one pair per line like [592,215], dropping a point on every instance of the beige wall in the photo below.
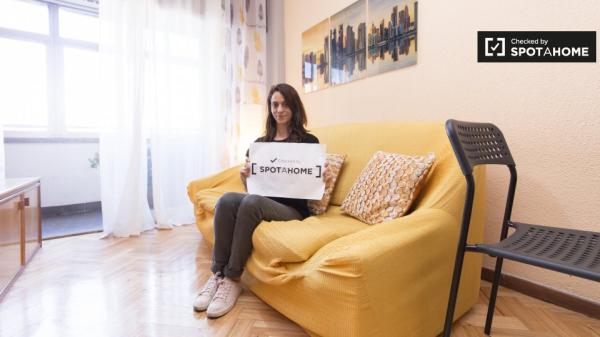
[550,113]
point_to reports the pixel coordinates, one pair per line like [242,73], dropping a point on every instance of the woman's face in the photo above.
[280,110]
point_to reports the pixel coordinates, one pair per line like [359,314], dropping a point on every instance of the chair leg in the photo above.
[460,254]
[494,292]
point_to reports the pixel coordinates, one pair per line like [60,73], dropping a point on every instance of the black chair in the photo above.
[573,252]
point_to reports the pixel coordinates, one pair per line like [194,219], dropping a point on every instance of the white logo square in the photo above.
[497,48]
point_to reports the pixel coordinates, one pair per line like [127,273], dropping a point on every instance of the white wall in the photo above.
[67,177]
[549,112]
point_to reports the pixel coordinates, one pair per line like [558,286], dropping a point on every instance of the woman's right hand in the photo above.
[245,170]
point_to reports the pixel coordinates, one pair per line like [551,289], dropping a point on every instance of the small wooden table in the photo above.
[20,227]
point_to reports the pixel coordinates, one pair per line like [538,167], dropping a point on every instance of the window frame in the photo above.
[55,71]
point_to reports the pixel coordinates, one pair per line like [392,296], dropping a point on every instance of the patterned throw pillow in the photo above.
[334,165]
[387,186]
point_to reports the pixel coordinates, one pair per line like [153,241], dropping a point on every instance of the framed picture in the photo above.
[392,35]
[347,36]
[315,57]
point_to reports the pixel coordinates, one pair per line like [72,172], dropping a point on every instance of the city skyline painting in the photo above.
[347,39]
[315,57]
[367,38]
[392,35]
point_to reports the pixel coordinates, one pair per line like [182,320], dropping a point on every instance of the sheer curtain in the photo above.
[164,85]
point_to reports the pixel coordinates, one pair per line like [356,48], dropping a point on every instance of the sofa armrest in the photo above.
[228,179]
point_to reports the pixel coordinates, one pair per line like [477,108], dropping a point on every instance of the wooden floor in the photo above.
[137,287]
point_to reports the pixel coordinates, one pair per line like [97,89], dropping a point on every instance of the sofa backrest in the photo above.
[444,188]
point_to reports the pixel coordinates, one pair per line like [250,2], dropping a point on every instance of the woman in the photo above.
[238,214]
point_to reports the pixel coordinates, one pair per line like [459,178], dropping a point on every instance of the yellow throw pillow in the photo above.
[334,165]
[387,186]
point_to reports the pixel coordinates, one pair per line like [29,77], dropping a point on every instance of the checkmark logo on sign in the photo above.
[273,160]
[495,46]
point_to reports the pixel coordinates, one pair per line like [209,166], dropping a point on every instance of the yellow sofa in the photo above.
[336,276]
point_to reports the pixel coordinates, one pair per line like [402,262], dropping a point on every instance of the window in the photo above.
[49,67]
[74,25]
[24,16]
[23,83]
[81,80]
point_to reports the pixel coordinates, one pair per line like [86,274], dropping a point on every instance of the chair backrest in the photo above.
[477,143]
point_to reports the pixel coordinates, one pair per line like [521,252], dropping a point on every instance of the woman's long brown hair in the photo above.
[298,121]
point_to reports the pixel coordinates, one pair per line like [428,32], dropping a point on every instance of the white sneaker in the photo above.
[208,292]
[224,299]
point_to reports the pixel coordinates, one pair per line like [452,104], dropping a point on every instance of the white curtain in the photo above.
[164,86]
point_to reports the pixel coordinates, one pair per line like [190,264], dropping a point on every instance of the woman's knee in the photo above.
[252,202]
[229,199]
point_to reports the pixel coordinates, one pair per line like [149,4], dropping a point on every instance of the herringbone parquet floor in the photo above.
[86,287]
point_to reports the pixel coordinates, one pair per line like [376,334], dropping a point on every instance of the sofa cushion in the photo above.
[297,241]
[334,165]
[387,186]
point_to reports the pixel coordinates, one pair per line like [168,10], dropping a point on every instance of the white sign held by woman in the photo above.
[287,170]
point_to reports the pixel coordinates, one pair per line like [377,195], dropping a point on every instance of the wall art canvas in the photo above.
[348,42]
[392,35]
[315,57]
